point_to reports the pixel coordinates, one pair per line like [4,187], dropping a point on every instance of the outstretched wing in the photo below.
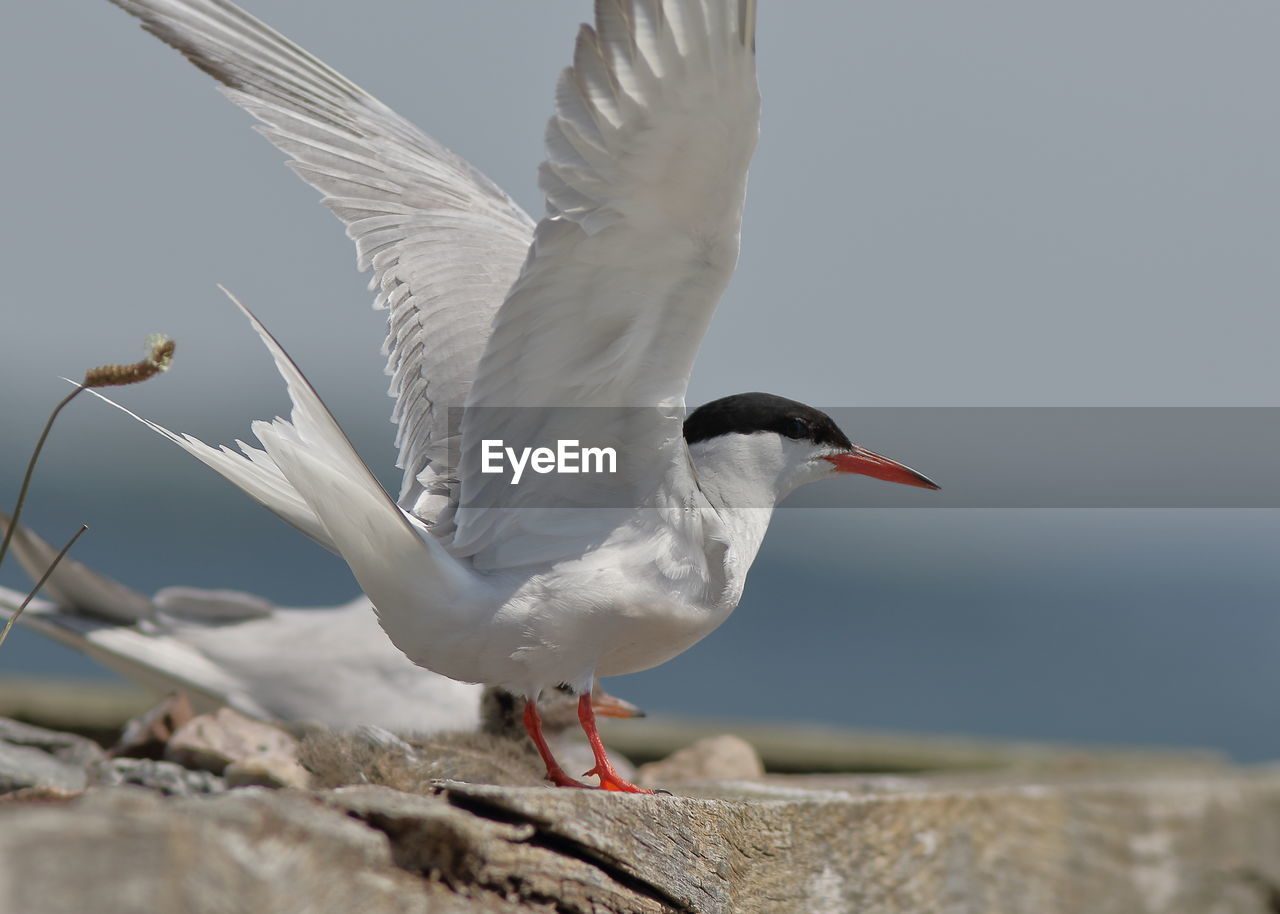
[645,176]
[443,241]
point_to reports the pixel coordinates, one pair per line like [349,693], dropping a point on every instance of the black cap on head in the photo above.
[744,414]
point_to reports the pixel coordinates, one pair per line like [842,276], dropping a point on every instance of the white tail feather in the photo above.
[257,477]
[310,475]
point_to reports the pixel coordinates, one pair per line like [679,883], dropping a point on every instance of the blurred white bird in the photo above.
[561,578]
[326,665]
[330,666]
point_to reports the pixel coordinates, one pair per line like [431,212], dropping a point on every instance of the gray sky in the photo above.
[979,204]
[953,204]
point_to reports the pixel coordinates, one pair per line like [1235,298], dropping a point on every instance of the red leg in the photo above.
[609,779]
[533,724]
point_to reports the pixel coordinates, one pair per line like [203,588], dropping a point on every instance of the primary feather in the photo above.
[443,242]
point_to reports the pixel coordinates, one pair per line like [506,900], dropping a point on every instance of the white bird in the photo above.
[314,665]
[582,328]
[330,666]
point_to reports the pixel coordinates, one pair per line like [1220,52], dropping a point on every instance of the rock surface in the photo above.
[270,769]
[213,741]
[803,845]
[22,767]
[715,758]
[1043,830]
[127,850]
[165,777]
[66,747]
[32,757]
[147,735]
[371,756]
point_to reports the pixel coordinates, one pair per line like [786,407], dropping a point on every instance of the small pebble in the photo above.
[213,741]
[166,777]
[715,758]
[274,769]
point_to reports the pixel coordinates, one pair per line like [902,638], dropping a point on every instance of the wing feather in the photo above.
[444,242]
[645,175]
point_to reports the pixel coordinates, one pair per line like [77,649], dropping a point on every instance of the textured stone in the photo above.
[342,759]
[122,850]
[166,777]
[147,735]
[66,747]
[716,758]
[35,758]
[987,846]
[23,767]
[271,769]
[213,741]
[431,836]
[993,844]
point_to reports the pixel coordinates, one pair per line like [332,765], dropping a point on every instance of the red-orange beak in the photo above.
[607,705]
[868,463]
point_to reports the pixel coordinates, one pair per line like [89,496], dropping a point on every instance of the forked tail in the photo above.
[310,475]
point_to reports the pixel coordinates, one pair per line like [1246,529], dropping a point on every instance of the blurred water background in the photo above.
[1125,626]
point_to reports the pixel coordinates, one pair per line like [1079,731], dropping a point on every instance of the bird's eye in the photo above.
[796,427]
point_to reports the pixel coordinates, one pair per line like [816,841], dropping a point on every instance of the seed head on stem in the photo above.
[158,359]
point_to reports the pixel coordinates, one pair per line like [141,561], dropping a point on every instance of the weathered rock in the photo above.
[271,769]
[22,767]
[1117,845]
[1181,838]
[213,741]
[166,777]
[30,795]
[32,757]
[826,844]
[365,757]
[122,850]
[715,758]
[507,860]
[147,735]
[66,747]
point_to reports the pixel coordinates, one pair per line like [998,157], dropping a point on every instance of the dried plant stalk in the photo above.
[40,583]
[159,357]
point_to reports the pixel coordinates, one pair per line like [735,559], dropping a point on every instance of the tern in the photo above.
[580,327]
[327,666]
[311,665]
